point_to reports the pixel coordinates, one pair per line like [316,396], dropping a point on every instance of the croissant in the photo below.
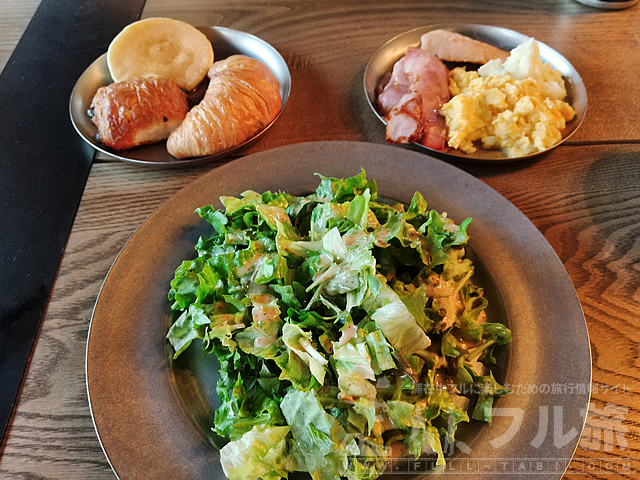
[138,111]
[242,98]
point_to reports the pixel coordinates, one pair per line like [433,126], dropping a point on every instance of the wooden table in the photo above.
[584,197]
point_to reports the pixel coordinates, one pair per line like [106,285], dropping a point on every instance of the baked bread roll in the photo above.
[160,47]
[242,98]
[138,111]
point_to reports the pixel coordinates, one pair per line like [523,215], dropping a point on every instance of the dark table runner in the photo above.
[43,165]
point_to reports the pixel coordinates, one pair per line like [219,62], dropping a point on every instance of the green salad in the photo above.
[347,329]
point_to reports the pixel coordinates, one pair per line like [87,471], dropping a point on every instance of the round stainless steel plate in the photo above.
[383,60]
[226,42]
[153,415]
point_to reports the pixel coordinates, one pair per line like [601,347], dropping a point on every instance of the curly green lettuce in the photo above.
[345,327]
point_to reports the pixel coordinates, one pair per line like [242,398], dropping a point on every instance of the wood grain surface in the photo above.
[14,18]
[583,196]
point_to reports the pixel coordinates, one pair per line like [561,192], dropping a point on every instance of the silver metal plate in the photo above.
[383,60]
[226,42]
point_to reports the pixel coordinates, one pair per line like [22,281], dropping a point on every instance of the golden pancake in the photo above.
[160,47]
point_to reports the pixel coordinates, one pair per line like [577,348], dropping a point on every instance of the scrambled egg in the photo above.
[517,106]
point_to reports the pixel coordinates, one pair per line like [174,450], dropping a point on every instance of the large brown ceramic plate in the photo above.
[153,416]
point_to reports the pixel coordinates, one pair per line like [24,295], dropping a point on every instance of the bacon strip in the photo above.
[415,117]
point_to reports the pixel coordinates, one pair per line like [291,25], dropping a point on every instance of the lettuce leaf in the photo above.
[261,338]
[343,189]
[325,443]
[396,322]
[353,364]
[440,234]
[300,343]
[259,453]
[380,352]
[187,328]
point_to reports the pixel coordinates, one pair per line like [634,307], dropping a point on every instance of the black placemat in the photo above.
[43,165]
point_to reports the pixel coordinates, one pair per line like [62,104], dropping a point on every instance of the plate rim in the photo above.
[76,101]
[491,156]
[265,160]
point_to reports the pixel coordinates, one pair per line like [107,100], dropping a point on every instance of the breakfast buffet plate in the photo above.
[382,61]
[153,415]
[226,42]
